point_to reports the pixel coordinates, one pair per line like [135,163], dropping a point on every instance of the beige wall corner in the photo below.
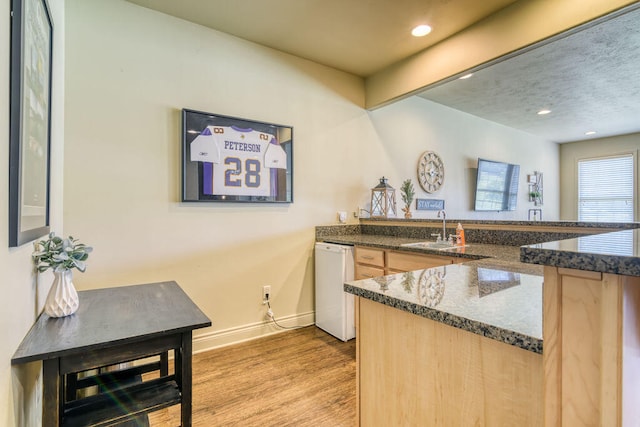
[20,386]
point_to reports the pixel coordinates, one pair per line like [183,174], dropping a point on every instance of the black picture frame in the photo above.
[30,120]
[230,159]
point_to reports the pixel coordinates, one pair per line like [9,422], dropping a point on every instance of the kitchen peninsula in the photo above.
[461,344]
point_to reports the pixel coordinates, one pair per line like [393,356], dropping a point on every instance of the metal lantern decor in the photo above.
[383,200]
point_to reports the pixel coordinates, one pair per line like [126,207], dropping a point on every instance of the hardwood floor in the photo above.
[303,377]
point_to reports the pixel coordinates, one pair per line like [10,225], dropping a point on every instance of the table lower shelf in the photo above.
[123,404]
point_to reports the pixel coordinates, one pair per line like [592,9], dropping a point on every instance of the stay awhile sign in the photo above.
[429,204]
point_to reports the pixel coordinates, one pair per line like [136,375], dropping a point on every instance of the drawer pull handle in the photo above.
[367,257]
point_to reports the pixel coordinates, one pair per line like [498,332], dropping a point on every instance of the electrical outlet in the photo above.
[266,294]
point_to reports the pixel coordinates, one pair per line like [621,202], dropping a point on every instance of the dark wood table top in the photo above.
[111,316]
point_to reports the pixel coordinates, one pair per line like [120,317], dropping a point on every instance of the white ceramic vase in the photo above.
[63,298]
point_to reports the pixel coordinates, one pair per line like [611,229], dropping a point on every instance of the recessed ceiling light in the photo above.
[466,76]
[421,30]
[543,112]
[591,132]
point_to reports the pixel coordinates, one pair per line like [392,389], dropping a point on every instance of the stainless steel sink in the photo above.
[440,246]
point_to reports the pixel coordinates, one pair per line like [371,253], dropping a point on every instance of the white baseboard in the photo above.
[239,334]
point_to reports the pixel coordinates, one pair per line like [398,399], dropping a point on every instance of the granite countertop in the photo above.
[616,252]
[483,297]
[472,251]
[556,223]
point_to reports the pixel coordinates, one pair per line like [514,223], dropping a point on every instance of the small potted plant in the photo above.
[62,256]
[407,194]
[535,197]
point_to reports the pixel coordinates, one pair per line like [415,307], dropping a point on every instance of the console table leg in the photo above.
[51,393]
[185,378]
[164,364]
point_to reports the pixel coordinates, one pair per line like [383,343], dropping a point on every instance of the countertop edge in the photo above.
[601,263]
[472,326]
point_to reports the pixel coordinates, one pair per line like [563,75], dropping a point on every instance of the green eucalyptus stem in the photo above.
[61,254]
[407,192]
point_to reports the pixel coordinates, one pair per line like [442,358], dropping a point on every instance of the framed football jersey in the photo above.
[227,159]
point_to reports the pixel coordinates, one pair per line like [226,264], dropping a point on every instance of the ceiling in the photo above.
[357,36]
[590,79]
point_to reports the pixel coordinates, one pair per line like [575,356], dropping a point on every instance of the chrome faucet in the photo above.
[444,223]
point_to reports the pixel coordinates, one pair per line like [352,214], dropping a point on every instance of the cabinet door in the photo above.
[369,262]
[370,256]
[403,261]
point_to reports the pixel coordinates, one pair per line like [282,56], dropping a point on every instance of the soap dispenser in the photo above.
[460,235]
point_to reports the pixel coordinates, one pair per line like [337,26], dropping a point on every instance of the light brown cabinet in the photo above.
[416,371]
[374,262]
[591,354]
[370,262]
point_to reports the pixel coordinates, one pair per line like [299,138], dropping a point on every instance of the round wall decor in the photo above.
[430,287]
[430,171]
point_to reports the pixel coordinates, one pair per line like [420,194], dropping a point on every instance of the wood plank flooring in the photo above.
[303,377]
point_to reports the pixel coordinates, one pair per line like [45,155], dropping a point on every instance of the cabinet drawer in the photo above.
[370,256]
[401,261]
[367,272]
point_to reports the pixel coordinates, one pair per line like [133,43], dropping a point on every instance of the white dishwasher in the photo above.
[334,307]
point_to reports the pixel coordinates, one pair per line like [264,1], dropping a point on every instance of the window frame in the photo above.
[634,171]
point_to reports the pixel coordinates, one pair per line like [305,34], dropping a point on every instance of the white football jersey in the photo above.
[241,161]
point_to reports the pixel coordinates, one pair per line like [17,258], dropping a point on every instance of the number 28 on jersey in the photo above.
[238,162]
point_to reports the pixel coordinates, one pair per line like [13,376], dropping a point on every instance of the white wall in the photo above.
[129,73]
[570,153]
[22,297]
[414,125]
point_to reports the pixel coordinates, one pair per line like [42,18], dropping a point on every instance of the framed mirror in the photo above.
[30,120]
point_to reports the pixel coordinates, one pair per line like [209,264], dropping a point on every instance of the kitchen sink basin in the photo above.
[440,246]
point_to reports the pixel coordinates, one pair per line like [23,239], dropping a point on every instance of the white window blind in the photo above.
[605,189]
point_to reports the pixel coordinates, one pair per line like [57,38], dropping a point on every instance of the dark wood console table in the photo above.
[115,326]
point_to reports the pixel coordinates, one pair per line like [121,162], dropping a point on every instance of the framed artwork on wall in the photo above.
[30,120]
[228,159]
